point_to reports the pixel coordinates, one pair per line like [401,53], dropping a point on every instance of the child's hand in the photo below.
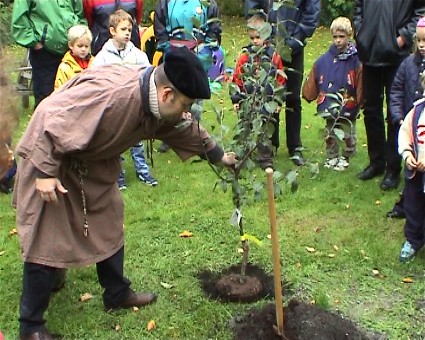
[47,188]
[411,162]
[420,166]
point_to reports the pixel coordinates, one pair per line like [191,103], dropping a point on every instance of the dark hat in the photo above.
[186,72]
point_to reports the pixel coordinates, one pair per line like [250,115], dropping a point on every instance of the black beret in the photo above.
[186,72]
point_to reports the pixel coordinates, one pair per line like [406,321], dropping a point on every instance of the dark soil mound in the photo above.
[302,321]
[230,286]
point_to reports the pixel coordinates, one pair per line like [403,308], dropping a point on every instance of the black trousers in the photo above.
[414,207]
[293,102]
[38,282]
[382,149]
[44,68]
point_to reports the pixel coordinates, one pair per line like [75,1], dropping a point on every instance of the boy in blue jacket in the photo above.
[338,71]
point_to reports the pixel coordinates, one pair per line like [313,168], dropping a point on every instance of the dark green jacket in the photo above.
[46,22]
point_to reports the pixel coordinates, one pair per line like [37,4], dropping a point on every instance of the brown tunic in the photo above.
[86,125]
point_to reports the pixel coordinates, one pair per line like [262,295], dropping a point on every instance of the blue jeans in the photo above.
[138,155]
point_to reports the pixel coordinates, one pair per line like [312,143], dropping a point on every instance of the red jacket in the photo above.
[97,13]
[244,58]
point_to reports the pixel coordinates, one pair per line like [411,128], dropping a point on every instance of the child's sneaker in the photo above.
[342,164]
[122,185]
[147,179]
[407,252]
[330,163]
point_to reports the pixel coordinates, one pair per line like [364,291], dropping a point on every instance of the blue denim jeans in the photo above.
[138,155]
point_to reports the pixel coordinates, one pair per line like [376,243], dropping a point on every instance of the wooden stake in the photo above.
[275,251]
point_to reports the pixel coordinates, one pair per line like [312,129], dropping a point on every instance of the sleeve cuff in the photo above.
[214,155]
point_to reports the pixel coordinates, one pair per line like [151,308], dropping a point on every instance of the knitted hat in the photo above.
[421,22]
[186,72]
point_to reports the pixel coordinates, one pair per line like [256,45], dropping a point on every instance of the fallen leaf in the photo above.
[166,285]
[117,328]
[306,127]
[310,249]
[375,272]
[240,251]
[186,233]
[151,325]
[135,309]
[86,297]
[1,252]
[407,280]
[14,231]
[331,255]
[378,202]
[269,236]
[317,229]
[168,161]
[347,206]
[336,247]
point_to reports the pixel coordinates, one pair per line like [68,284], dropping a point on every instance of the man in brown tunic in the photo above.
[69,209]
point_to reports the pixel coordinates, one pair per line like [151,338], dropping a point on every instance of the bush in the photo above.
[335,8]
[5,20]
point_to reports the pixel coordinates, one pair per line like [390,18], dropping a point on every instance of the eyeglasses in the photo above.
[185,106]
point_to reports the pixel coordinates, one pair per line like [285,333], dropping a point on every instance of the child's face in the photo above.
[255,38]
[420,40]
[80,48]
[122,33]
[340,40]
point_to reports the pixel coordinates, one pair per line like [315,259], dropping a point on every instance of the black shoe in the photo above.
[395,214]
[297,158]
[370,172]
[391,181]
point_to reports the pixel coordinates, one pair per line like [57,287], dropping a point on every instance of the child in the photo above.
[120,50]
[337,71]
[255,25]
[412,148]
[192,23]
[78,58]
[405,90]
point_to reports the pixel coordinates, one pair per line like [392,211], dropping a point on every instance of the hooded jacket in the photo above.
[336,72]
[68,69]
[131,55]
[46,22]
[174,20]
[406,87]
[378,23]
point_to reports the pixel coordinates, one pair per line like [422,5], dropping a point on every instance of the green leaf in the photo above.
[223,185]
[339,133]
[265,31]
[314,170]
[270,107]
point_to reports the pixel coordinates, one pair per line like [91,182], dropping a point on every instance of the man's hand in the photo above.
[47,188]
[229,158]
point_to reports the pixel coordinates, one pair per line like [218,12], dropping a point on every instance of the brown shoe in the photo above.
[42,335]
[136,300]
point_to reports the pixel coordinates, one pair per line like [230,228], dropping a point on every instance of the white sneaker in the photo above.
[330,163]
[342,164]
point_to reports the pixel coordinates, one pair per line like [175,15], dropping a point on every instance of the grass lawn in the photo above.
[354,268]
